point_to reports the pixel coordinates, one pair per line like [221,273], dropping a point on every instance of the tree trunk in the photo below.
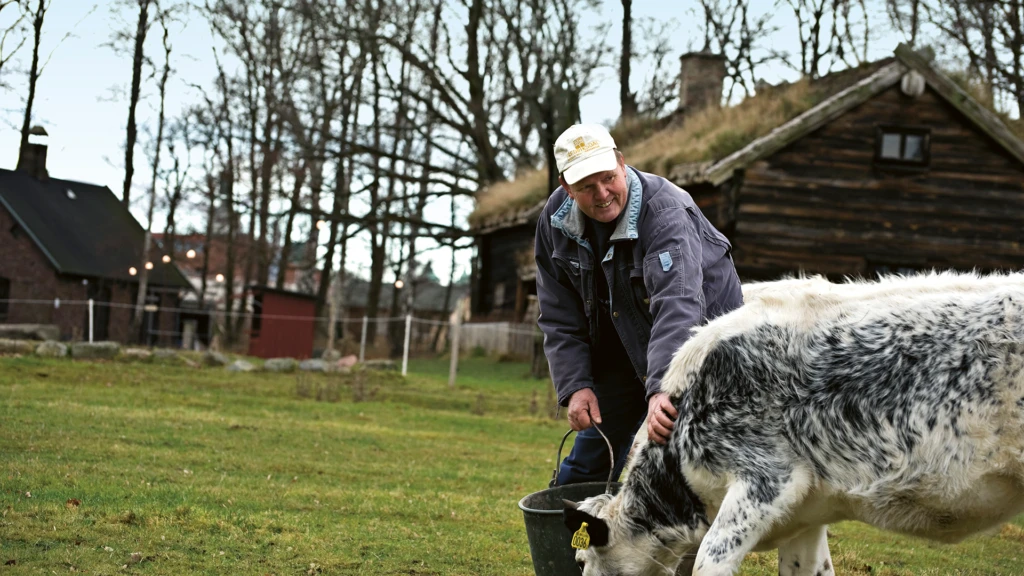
[211,188]
[627,100]
[129,148]
[286,244]
[33,76]
[140,299]
[451,280]
[487,162]
[378,237]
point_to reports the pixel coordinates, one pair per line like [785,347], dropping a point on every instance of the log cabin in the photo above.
[888,167]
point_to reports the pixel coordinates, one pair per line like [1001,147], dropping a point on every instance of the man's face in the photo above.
[602,195]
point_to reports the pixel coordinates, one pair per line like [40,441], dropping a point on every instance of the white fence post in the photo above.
[362,342]
[90,319]
[453,368]
[405,353]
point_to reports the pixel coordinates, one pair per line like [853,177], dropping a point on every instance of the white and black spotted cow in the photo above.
[899,403]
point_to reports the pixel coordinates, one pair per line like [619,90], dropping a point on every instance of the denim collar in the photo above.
[572,221]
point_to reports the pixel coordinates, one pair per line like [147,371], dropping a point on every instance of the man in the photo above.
[626,266]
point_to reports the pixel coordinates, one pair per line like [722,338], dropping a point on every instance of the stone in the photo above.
[8,346]
[165,354]
[348,361]
[30,331]
[280,365]
[212,358]
[241,366]
[331,355]
[313,365]
[137,354]
[381,364]
[52,349]
[189,363]
[95,350]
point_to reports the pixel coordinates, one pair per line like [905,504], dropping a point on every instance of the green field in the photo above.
[122,468]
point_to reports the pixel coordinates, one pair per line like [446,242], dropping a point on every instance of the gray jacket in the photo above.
[668,270]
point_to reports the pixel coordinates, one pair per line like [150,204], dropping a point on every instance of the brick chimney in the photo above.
[701,78]
[32,158]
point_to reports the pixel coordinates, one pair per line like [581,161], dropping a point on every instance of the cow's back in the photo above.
[906,406]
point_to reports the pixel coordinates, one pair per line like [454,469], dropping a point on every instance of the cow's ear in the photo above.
[596,527]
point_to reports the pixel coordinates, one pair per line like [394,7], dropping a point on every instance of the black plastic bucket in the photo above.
[550,541]
[549,538]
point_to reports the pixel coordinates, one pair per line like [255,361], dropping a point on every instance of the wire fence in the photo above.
[258,333]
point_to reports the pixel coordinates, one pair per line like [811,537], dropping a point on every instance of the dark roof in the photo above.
[83,229]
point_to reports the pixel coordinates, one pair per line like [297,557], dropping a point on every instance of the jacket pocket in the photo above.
[715,247]
[571,267]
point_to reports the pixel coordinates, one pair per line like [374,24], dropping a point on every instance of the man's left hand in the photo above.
[661,416]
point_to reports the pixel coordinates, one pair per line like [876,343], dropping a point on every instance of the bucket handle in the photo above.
[611,457]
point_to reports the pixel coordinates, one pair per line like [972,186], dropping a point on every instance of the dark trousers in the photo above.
[622,414]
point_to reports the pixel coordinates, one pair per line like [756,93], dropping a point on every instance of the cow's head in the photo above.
[620,545]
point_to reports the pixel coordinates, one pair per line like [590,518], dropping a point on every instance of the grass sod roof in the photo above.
[706,136]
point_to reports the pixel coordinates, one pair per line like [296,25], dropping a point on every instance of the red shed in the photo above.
[282,323]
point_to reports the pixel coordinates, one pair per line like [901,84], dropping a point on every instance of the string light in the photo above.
[166,259]
[220,277]
[190,254]
[399,284]
[132,271]
[149,265]
[320,224]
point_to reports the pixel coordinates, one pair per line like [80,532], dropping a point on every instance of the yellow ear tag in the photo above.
[580,539]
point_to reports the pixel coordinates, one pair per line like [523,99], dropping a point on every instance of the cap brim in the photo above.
[601,162]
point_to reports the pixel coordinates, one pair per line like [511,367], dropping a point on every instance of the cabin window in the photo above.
[902,146]
[5,294]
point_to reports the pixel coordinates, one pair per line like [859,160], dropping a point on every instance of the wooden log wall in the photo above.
[823,205]
[498,251]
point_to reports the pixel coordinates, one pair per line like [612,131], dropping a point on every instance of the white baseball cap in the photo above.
[584,149]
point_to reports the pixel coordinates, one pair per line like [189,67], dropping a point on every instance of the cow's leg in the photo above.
[747,513]
[806,554]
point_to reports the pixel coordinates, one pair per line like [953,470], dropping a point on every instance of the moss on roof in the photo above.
[709,135]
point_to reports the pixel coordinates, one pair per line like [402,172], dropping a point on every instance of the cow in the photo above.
[897,402]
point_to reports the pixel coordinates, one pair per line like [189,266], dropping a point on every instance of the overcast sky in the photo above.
[82,94]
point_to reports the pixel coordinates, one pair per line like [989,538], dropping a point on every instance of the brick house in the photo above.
[64,242]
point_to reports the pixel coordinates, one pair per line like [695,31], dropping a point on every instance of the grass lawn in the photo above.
[117,468]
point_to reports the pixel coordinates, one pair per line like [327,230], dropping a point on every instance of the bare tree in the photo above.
[140,299]
[825,29]
[661,85]
[179,133]
[627,99]
[906,16]
[731,30]
[138,57]
[214,123]
[33,75]
[13,32]
[990,34]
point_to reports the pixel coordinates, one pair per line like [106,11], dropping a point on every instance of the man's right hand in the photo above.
[582,409]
